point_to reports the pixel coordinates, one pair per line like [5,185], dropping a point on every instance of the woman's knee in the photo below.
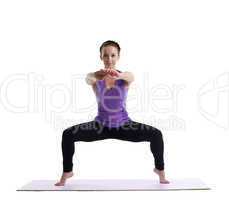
[68,133]
[157,133]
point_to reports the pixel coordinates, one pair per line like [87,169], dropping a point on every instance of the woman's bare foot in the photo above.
[161,175]
[63,178]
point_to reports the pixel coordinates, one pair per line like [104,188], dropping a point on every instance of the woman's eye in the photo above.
[106,55]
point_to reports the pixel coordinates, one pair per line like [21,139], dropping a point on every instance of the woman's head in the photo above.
[110,53]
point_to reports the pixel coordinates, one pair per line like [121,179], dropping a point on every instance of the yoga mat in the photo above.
[115,185]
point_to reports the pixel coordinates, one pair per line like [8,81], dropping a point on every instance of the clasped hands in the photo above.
[110,73]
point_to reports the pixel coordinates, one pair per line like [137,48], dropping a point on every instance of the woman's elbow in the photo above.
[90,79]
[131,75]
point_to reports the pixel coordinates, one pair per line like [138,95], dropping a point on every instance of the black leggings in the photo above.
[130,131]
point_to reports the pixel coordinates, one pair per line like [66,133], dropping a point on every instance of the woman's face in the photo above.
[109,56]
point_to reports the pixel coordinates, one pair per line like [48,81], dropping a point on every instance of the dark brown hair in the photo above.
[110,43]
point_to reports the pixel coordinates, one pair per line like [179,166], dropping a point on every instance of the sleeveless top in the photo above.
[111,103]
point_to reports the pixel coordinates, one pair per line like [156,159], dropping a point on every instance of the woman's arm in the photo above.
[92,77]
[127,76]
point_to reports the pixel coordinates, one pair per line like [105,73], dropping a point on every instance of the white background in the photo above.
[178,52]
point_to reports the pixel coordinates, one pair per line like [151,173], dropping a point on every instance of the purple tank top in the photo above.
[111,103]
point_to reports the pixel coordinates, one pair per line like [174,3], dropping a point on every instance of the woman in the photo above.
[110,86]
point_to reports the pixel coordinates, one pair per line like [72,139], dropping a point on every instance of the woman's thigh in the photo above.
[136,132]
[87,131]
